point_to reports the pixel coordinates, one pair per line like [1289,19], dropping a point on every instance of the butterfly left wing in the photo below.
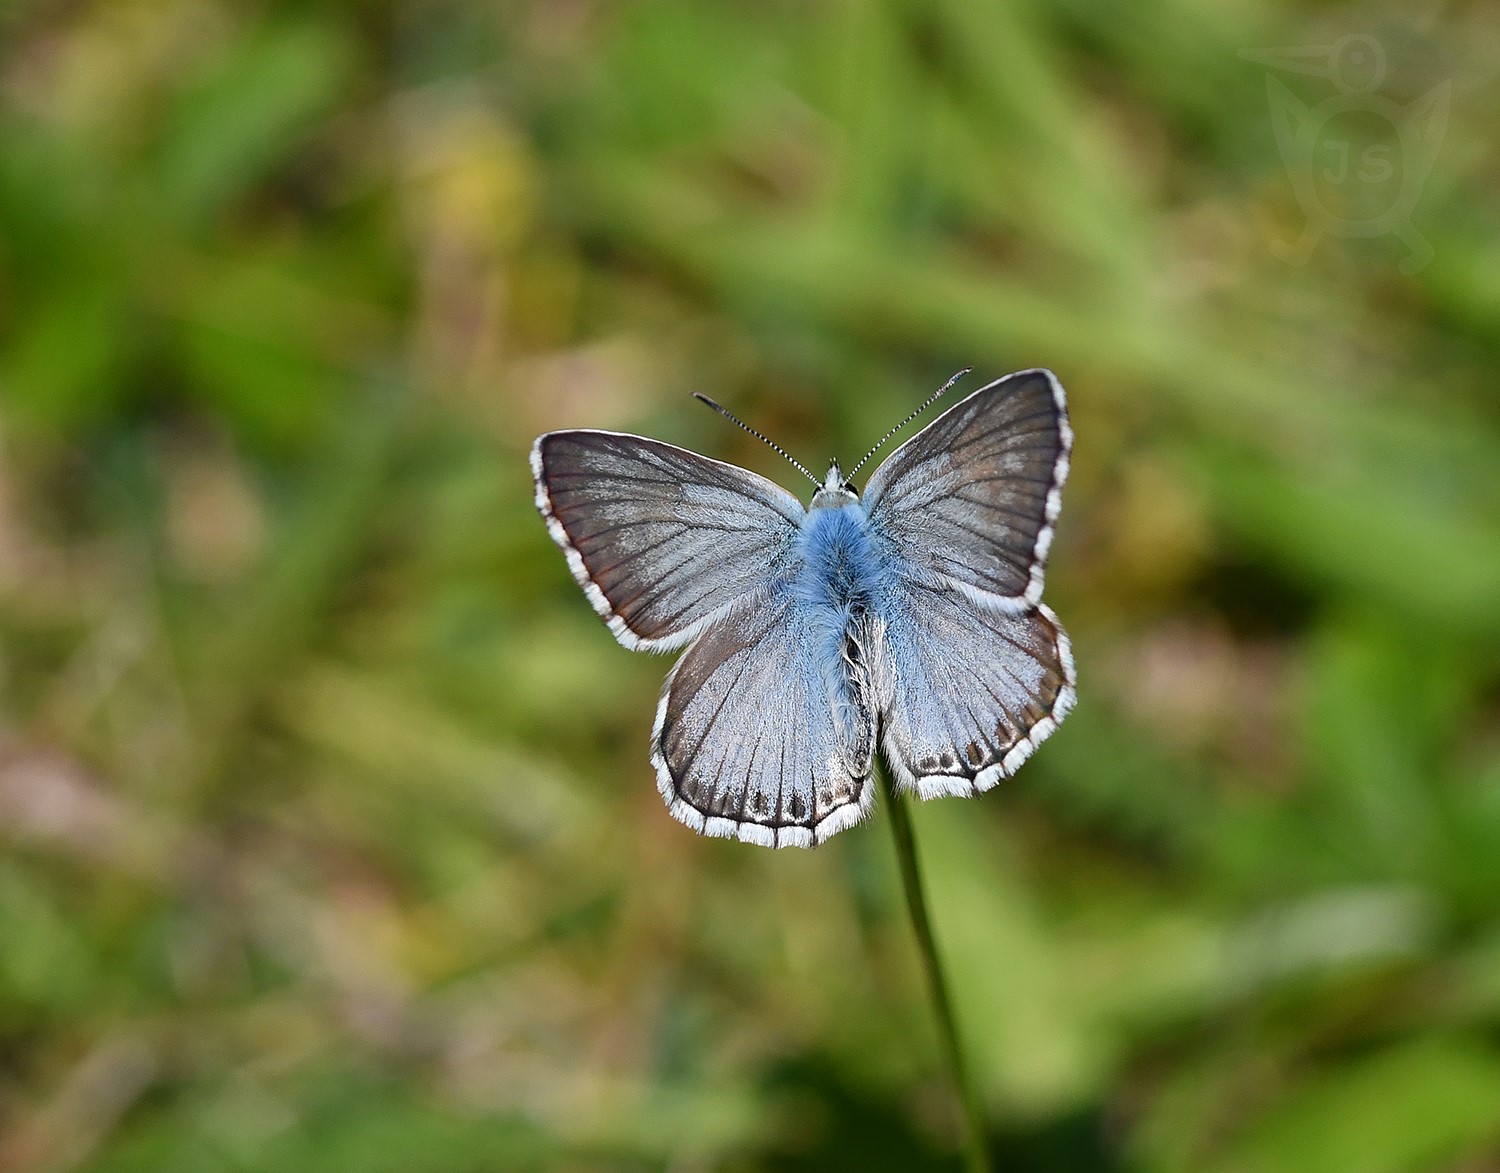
[966,693]
[765,731]
[663,541]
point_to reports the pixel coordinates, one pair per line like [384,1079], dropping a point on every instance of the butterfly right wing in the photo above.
[973,496]
[973,672]
[765,729]
[664,542]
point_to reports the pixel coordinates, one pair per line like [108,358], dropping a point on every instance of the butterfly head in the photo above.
[836,491]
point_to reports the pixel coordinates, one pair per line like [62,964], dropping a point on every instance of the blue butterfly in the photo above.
[911,618]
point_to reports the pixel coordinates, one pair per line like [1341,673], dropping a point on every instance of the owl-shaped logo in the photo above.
[1357,160]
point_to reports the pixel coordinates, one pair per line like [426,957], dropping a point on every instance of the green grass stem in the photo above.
[976,1152]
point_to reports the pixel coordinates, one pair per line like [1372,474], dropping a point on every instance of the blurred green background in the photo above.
[327,836]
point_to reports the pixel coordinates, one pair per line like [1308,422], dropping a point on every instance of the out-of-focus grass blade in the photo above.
[1415,1105]
[240,118]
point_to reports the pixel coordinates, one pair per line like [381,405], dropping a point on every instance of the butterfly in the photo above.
[909,619]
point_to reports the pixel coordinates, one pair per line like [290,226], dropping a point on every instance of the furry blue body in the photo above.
[838,564]
[841,578]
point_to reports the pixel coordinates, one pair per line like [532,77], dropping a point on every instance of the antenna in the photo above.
[931,399]
[724,411]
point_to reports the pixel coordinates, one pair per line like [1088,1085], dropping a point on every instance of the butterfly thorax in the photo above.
[838,560]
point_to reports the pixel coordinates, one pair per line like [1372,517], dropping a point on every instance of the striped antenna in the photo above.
[931,399]
[771,444]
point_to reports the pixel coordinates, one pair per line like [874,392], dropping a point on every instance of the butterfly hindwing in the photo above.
[968,692]
[662,541]
[974,495]
[763,733]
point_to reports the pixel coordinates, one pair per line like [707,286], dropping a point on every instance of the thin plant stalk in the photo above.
[976,1154]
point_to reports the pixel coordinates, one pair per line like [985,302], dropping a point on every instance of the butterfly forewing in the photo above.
[662,540]
[973,496]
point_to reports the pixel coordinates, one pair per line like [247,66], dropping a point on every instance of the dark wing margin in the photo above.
[662,541]
[759,738]
[968,693]
[974,496]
